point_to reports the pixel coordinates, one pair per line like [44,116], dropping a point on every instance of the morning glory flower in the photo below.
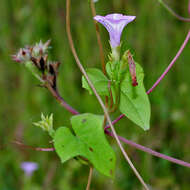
[29,168]
[114,23]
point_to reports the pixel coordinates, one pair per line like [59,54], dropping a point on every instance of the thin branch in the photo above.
[171,64]
[34,148]
[98,37]
[96,94]
[89,178]
[126,141]
[57,96]
[172,12]
[189,7]
[150,151]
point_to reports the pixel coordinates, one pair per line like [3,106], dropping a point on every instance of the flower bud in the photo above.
[46,124]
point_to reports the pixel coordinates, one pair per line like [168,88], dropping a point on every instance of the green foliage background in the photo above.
[154,38]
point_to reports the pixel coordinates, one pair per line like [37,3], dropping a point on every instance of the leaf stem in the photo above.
[89,178]
[96,94]
[172,12]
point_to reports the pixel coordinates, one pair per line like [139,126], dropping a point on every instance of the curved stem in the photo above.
[57,96]
[89,178]
[172,12]
[171,64]
[150,151]
[96,94]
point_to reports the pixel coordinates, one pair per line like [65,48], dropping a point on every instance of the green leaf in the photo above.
[99,81]
[134,102]
[90,142]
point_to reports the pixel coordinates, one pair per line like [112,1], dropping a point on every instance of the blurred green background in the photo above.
[154,38]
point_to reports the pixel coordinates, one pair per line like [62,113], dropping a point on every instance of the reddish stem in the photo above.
[34,148]
[150,151]
[171,64]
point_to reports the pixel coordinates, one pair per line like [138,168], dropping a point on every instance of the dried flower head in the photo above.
[114,23]
[23,55]
[35,58]
[40,48]
[30,52]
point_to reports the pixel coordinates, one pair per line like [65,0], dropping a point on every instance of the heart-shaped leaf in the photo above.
[90,142]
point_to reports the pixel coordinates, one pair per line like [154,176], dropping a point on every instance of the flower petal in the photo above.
[114,23]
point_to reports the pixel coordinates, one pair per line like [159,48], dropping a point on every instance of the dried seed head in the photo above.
[40,49]
[43,69]
[23,55]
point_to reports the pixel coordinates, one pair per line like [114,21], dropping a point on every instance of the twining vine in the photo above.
[121,84]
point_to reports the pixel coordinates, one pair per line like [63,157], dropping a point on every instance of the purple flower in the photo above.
[114,23]
[29,168]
